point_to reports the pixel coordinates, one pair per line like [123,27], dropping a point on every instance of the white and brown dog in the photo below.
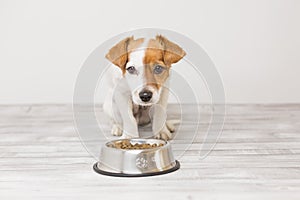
[140,83]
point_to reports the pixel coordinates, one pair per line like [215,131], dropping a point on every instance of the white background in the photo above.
[255,44]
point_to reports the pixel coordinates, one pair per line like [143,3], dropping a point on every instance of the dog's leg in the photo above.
[161,128]
[111,110]
[123,102]
[130,127]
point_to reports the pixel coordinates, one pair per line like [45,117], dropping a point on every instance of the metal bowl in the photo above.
[136,162]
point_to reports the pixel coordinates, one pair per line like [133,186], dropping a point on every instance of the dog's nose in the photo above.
[145,95]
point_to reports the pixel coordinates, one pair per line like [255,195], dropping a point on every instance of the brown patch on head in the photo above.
[154,52]
[118,54]
[155,80]
[162,52]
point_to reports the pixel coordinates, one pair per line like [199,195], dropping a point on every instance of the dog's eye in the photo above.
[158,69]
[131,70]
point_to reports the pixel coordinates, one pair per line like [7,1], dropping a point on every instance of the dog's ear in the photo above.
[172,52]
[118,54]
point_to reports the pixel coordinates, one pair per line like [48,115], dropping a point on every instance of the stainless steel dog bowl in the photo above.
[136,162]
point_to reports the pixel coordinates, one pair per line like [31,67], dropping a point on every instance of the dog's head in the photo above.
[145,64]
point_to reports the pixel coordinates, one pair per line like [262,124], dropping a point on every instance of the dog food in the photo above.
[126,144]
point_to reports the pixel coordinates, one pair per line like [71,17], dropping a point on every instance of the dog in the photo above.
[138,85]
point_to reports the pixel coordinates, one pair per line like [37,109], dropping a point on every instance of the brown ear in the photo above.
[118,54]
[172,52]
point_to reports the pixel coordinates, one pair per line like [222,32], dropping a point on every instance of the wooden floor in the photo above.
[256,157]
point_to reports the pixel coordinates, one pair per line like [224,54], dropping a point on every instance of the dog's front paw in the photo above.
[168,129]
[116,130]
[164,134]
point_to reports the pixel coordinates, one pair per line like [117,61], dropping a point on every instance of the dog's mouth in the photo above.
[141,103]
[145,104]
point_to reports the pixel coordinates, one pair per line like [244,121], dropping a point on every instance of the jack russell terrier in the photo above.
[138,85]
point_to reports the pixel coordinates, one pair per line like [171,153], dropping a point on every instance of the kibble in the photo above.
[126,144]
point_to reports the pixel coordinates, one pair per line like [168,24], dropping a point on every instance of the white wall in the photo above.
[255,44]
